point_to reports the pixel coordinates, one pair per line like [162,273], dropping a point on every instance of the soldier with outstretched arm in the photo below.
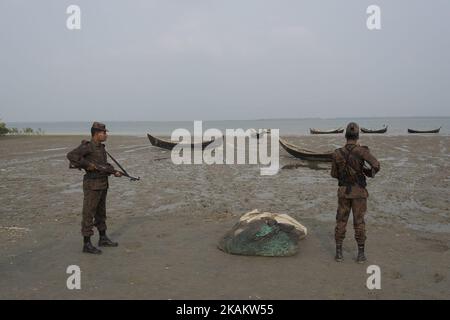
[91,156]
[348,166]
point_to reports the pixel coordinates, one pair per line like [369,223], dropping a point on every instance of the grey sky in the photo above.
[228,59]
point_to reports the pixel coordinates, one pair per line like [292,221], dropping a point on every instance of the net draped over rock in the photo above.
[263,234]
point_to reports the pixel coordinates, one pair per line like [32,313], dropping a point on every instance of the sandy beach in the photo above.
[168,224]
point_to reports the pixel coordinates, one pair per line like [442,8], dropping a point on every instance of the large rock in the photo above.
[263,234]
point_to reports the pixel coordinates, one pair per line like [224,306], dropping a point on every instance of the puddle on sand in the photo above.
[402,148]
[70,191]
[306,164]
[430,227]
[53,149]
[403,162]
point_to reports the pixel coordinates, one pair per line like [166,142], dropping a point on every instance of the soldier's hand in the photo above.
[118,174]
[369,172]
[91,167]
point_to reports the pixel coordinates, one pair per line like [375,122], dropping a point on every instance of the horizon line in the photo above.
[210,120]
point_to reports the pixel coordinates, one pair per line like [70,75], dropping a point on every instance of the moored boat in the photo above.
[305,154]
[382,130]
[169,145]
[317,131]
[424,131]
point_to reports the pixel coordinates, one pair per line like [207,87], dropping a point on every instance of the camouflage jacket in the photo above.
[348,167]
[89,153]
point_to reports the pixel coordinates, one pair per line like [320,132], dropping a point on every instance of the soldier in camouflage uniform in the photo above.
[348,166]
[91,156]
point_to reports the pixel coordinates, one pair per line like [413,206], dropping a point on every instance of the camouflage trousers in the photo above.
[358,207]
[94,211]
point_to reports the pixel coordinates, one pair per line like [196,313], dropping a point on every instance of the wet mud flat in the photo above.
[168,224]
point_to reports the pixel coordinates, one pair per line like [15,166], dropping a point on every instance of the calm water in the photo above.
[397,126]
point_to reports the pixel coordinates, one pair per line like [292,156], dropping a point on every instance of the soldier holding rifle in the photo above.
[92,157]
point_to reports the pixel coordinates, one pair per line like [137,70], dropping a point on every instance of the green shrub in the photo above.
[3,129]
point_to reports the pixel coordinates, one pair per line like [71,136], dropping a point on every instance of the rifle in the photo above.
[124,172]
[106,169]
[368,172]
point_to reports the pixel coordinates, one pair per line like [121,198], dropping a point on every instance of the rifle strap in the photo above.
[346,165]
[347,156]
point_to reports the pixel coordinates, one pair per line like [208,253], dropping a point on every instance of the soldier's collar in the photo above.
[98,144]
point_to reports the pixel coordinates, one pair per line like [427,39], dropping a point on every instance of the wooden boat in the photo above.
[382,130]
[424,131]
[305,154]
[169,145]
[316,131]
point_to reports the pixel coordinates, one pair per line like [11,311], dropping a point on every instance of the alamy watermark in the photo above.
[374,19]
[374,280]
[73,282]
[73,22]
[235,153]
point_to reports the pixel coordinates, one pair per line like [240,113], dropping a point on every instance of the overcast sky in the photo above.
[227,59]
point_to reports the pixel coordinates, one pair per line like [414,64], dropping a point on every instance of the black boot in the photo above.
[361,256]
[104,241]
[89,248]
[339,256]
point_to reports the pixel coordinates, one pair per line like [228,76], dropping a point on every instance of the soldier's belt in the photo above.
[95,175]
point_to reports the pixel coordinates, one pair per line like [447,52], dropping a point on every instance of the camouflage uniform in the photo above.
[348,168]
[95,184]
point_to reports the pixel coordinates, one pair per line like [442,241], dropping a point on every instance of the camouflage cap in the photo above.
[352,130]
[99,126]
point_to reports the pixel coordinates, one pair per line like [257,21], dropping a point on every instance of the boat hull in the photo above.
[424,131]
[315,131]
[169,145]
[305,154]
[364,130]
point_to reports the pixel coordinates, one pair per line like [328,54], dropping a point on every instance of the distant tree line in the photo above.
[15,131]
